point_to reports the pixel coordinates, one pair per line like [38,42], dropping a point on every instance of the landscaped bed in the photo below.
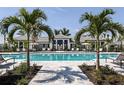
[105,76]
[20,75]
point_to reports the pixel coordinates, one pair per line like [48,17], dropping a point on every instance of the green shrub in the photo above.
[21,69]
[107,70]
[22,81]
[5,47]
[99,81]
[85,66]
[99,77]
[112,79]
[34,66]
[14,48]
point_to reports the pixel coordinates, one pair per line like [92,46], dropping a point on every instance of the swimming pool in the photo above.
[61,56]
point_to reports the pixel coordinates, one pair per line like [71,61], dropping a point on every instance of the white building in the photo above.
[60,42]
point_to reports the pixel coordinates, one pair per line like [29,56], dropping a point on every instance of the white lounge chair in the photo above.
[77,49]
[72,49]
[48,49]
[119,58]
[2,60]
[43,49]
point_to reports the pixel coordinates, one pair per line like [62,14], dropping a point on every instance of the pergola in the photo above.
[61,42]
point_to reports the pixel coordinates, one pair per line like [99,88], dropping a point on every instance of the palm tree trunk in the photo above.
[121,46]
[4,38]
[28,55]
[97,55]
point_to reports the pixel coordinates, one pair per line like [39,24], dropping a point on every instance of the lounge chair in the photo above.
[2,60]
[119,59]
[48,49]
[77,49]
[72,49]
[43,49]
[100,49]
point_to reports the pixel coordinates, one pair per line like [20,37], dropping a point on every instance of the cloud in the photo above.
[56,10]
[60,9]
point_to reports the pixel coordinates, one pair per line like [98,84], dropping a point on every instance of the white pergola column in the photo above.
[30,45]
[51,44]
[23,46]
[100,43]
[63,44]
[56,44]
[68,44]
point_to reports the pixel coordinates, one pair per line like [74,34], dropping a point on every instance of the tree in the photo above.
[97,25]
[56,32]
[28,23]
[65,32]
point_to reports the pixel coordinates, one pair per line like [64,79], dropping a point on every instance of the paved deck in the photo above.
[60,73]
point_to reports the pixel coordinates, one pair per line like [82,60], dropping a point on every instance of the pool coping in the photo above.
[61,52]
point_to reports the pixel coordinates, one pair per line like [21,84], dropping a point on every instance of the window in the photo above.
[59,42]
[65,41]
[43,45]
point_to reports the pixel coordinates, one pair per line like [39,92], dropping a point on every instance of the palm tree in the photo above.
[56,32]
[65,32]
[97,25]
[28,23]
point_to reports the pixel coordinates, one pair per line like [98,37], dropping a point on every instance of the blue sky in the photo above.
[64,17]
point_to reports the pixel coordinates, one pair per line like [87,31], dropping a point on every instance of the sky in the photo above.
[59,17]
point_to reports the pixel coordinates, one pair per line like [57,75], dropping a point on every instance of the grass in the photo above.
[20,75]
[104,76]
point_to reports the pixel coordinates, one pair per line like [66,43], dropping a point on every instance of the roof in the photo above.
[43,40]
[61,36]
[40,39]
[24,37]
[84,38]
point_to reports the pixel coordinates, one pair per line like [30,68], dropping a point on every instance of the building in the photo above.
[60,43]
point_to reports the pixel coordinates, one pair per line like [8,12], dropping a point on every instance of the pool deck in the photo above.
[60,73]
[61,52]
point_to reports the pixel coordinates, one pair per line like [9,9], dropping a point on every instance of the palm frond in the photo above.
[86,16]
[37,14]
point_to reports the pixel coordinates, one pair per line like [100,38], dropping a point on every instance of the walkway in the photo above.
[58,74]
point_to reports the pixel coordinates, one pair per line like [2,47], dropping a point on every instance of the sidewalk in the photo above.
[59,75]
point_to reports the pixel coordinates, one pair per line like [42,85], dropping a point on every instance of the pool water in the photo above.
[60,57]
